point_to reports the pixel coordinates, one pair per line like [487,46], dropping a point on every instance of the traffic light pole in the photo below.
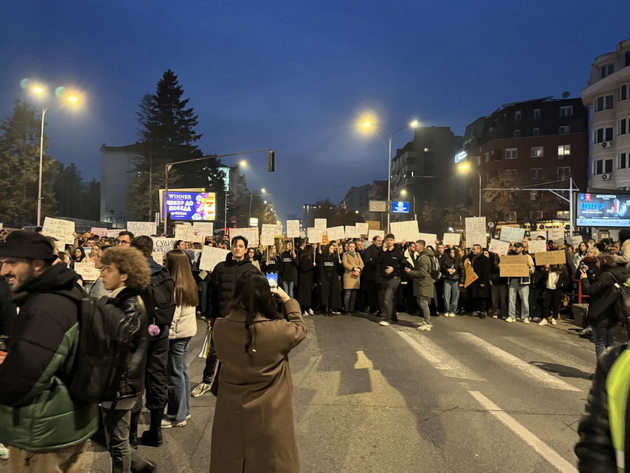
[271,156]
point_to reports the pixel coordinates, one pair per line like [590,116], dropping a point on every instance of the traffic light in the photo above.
[271,166]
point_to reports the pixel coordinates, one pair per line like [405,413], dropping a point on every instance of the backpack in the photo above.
[436,274]
[161,298]
[105,334]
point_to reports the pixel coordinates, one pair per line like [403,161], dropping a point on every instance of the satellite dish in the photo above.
[565,94]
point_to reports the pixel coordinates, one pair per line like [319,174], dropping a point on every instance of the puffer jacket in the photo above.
[36,412]
[602,312]
[423,284]
[184,323]
[132,380]
[223,281]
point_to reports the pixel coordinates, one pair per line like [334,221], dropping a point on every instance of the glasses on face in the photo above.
[121,242]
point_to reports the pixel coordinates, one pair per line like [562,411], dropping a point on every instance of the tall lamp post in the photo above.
[404,193]
[465,168]
[72,98]
[390,136]
[263,191]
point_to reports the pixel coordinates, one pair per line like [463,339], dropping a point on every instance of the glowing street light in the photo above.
[368,124]
[404,193]
[465,167]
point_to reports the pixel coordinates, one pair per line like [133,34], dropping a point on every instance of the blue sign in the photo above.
[400,207]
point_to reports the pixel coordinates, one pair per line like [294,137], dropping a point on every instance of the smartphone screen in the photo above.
[272,278]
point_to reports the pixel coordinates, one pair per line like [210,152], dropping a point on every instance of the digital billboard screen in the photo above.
[603,210]
[197,206]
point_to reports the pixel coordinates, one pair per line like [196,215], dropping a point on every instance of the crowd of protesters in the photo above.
[379,278]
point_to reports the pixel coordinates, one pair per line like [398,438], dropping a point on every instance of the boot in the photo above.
[153,436]
[133,429]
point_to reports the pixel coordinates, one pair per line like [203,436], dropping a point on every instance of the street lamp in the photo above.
[404,192]
[368,125]
[263,191]
[72,98]
[465,167]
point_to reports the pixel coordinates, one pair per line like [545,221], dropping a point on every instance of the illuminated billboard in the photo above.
[196,206]
[603,210]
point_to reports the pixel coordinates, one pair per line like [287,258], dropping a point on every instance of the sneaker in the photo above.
[554,322]
[526,320]
[304,314]
[509,320]
[167,424]
[188,416]
[4,452]
[336,312]
[310,312]
[543,322]
[424,327]
[536,319]
[201,389]
[495,316]
[384,323]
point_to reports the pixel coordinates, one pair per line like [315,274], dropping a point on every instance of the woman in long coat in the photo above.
[253,427]
[306,271]
[352,265]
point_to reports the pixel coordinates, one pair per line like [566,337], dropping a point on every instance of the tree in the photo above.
[67,188]
[19,168]
[168,135]
[345,217]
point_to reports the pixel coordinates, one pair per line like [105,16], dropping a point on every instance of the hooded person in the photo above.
[43,426]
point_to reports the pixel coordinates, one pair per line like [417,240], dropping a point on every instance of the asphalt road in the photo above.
[470,396]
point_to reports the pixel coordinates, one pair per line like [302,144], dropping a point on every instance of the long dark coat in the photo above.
[481,265]
[253,429]
[306,270]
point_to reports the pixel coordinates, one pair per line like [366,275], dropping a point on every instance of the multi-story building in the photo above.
[423,167]
[535,143]
[357,199]
[608,96]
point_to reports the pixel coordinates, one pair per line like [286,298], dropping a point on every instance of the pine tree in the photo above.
[168,134]
[19,168]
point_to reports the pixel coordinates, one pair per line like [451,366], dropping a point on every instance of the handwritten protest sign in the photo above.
[113,233]
[363,228]
[62,230]
[185,233]
[476,231]
[251,233]
[102,232]
[336,233]
[537,246]
[576,240]
[405,231]
[550,257]
[293,229]
[429,238]
[499,247]
[451,239]
[556,234]
[211,256]
[536,233]
[203,230]
[143,228]
[320,223]
[87,271]
[351,231]
[514,266]
[512,234]
[373,233]
[470,275]
[267,239]
[161,246]
[315,234]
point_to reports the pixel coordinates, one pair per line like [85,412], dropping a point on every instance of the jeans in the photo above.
[388,289]
[603,338]
[116,426]
[451,296]
[423,303]
[178,381]
[288,286]
[523,291]
[350,299]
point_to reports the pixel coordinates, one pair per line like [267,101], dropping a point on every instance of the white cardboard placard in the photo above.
[251,233]
[321,223]
[499,247]
[476,231]
[451,239]
[405,231]
[363,228]
[87,271]
[293,229]
[142,228]
[429,238]
[373,233]
[62,230]
[537,246]
[512,234]
[336,233]
[556,234]
[211,256]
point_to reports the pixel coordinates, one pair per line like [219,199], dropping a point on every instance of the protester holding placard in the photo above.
[479,289]
[554,278]
[330,266]
[520,286]
[453,275]
[289,269]
[271,263]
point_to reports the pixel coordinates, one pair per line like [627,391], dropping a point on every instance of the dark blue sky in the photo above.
[296,75]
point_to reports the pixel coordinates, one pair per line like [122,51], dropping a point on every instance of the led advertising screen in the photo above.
[197,206]
[603,210]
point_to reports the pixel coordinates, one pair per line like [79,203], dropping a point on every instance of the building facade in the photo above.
[117,174]
[536,143]
[608,97]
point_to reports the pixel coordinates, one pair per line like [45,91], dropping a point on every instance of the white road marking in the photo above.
[438,358]
[554,355]
[530,371]
[541,447]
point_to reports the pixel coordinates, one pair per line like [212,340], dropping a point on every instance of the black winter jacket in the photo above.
[289,266]
[601,313]
[370,257]
[446,263]
[393,258]
[223,281]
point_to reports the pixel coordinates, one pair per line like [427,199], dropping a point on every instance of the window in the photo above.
[624,159]
[517,133]
[564,172]
[536,173]
[563,151]
[624,92]
[564,130]
[511,153]
[624,126]
[603,134]
[566,111]
[479,159]
[510,172]
[536,132]
[517,115]
[537,152]
[626,59]
[603,166]
[536,113]
[605,102]
[606,70]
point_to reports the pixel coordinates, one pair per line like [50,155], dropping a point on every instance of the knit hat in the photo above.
[28,245]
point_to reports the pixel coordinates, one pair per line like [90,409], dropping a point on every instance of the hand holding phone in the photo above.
[272,278]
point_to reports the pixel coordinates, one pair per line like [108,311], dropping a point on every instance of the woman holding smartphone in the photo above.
[253,420]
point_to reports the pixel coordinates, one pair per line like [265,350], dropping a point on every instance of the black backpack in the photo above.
[105,335]
[160,298]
